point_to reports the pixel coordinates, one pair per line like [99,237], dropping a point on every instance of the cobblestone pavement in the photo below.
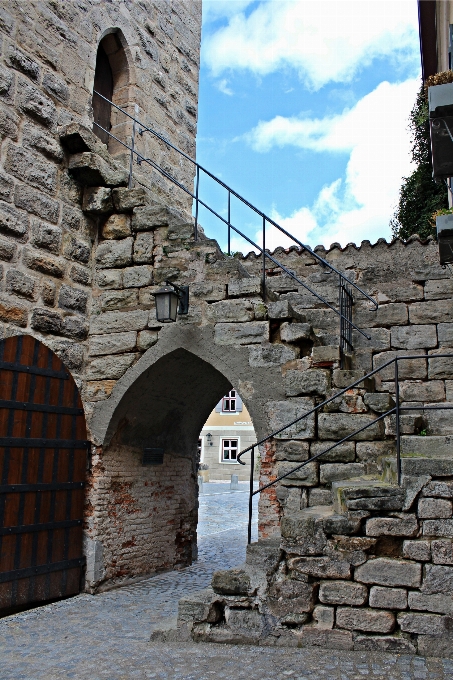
[105,637]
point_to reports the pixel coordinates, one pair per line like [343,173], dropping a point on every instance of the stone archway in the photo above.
[143,518]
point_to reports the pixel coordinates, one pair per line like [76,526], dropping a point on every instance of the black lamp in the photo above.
[167,299]
[209,438]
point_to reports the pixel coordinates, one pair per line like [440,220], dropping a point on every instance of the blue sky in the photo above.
[303,109]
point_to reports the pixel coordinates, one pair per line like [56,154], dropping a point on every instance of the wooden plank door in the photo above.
[43,454]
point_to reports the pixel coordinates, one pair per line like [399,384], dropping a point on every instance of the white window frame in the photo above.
[228,397]
[201,438]
[221,450]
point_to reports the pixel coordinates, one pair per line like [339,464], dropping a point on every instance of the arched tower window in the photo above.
[111,79]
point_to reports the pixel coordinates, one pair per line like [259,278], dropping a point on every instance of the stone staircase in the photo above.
[372,571]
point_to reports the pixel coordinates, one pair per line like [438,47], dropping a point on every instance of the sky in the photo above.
[303,111]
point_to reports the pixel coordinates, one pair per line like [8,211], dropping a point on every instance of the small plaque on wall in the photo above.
[153,457]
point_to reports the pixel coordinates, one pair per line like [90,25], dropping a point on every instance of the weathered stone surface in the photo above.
[12,222]
[333,472]
[424,624]
[110,367]
[303,534]
[433,311]
[31,168]
[371,454]
[264,555]
[325,355]
[125,200]
[445,334]
[114,253]
[386,315]
[138,276]
[414,337]
[117,226]
[438,489]
[267,355]
[291,597]
[319,567]
[340,425]
[379,402]
[47,236]
[324,617]
[439,604]
[442,551]
[117,299]
[368,620]
[293,332]
[36,104]
[282,309]
[7,250]
[388,598]
[342,592]
[36,203]
[366,495]
[407,369]
[230,310]
[46,321]
[327,639]
[282,412]
[99,390]
[439,368]
[116,322]
[405,525]
[110,278]
[343,378]
[241,333]
[44,263]
[312,381]
[49,293]
[72,298]
[417,550]
[208,290]
[342,453]
[430,645]
[292,450]
[113,343]
[74,327]
[143,248]
[425,446]
[76,248]
[341,524]
[199,606]
[20,284]
[319,497]
[231,582]
[97,200]
[383,643]
[146,339]
[151,216]
[244,287]
[244,621]
[413,390]
[434,508]
[389,572]
[437,579]
[91,170]
[438,527]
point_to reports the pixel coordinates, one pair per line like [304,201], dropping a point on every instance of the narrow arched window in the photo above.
[103,83]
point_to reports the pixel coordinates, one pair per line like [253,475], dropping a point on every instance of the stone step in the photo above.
[416,465]
[366,493]
[440,446]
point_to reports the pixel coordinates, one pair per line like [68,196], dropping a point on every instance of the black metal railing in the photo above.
[343,282]
[397,409]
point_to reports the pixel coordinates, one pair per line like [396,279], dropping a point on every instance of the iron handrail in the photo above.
[231,192]
[396,409]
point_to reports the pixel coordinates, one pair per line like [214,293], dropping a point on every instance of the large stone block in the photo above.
[324,617]
[407,369]
[439,604]
[13,222]
[388,598]
[113,343]
[117,226]
[385,571]
[440,368]
[386,315]
[293,332]
[249,333]
[438,489]
[208,290]
[152,216]
[44,263]
[416,390]
[441,647]
[110,367]
[327,639]
[97,200]
[383,643]
[414,337]
[313,381]
[282,309]
[404,525]
[437,579]
[31,169]
[292,450]
[291,597]
[424,624]
[267,355]
[36,104]
[7,250]
[246,622]
[76,248]
[325,355]
[438,289]
[138,276]
[17,283]
[143,248]
[368,620]
[116,322]
[245,287]
[46,236]
[319,567]
[340,425]
[280,413]
[432,311]
[125,200]
[417,550]
[442,551]
[114,253]
[342,592]
[110,278]
[231,582]
[13,312]
[302,534]
[230,310]
[380,402]
[445,334]
[342,453]
[146,339]
[72,298]
[46,321]
[434,508]
[306,476]
[91,170]
[333,472]
[442,528]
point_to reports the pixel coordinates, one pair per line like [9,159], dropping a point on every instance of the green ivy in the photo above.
[420,195]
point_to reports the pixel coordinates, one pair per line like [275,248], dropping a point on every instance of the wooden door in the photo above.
[43,457]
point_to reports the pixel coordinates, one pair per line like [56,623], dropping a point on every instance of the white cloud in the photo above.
[374,133]
[324,40]
[222,9]
[222,85]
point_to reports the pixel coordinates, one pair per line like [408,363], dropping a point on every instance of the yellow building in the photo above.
[227,431]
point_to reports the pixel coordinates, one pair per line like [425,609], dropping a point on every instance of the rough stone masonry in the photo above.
[81,258]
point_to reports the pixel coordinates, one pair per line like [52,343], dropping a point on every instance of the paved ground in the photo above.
[105,637]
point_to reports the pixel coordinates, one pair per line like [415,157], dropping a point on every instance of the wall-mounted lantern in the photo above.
[209,438]
[440,99]
[167,299]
